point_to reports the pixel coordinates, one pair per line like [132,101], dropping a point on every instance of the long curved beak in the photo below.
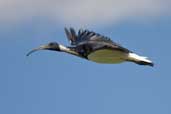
[43,47]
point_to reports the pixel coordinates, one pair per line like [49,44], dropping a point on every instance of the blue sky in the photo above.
[50,82]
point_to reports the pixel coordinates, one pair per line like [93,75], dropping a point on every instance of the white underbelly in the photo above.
[107,56]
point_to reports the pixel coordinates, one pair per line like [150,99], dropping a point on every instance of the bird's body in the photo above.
[107,56]
[95,47]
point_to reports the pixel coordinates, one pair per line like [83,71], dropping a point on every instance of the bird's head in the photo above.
[53,46]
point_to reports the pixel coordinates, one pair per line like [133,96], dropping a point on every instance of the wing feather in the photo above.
[92,40]
[71,35]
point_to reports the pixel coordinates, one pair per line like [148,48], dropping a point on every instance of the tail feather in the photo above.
[141,60]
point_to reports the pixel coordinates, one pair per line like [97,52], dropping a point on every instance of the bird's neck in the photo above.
[67,50]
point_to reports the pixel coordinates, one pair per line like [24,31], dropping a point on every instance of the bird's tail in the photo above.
[141,60]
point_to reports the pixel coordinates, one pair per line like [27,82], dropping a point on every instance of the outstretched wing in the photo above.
[85,35]
[94,40]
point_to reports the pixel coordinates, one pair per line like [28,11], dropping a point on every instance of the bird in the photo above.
[94,47]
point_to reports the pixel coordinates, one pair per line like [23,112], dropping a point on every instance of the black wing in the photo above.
[92,39]
[85,35]
[71,35]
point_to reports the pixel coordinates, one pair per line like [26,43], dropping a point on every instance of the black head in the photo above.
[53,46]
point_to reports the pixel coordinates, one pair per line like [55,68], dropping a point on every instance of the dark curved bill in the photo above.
[37,49]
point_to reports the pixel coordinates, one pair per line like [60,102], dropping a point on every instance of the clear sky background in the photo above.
[56,83]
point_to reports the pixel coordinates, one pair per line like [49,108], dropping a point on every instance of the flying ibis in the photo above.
[95,47]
